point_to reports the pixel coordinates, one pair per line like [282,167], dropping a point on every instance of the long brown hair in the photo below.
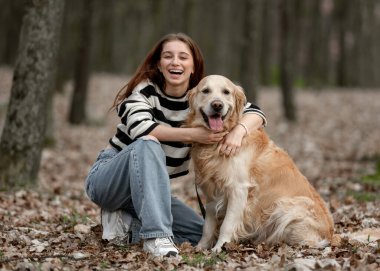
[149,67]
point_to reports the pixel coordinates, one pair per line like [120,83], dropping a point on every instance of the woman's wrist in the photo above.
[188,134]
[240,130]
[244,127]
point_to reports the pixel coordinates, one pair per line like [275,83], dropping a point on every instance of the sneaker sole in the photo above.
[171,253]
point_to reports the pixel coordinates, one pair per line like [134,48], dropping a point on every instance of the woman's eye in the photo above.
[226,92]
[205,91]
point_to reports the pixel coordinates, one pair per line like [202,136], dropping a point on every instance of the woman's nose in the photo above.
[175,60]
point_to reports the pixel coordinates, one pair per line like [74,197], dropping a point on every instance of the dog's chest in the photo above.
[220,171]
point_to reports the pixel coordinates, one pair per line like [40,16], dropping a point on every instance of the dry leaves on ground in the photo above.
[335,143]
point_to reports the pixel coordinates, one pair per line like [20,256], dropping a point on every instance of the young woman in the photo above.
[131,177]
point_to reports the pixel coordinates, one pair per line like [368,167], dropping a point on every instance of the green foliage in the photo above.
[354,250]
[49,142]
[363,196]
[373,179]
[104,265]
[74,218]
[300,82]
[201,260]
[275,76]
[371,184]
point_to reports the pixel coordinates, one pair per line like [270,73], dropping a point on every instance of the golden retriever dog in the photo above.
[258,193]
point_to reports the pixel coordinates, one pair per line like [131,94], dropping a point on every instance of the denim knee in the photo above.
[149,144]
[103,157]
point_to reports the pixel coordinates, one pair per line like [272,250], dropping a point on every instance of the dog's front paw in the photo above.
[218,246]
[216,249]
[203,245]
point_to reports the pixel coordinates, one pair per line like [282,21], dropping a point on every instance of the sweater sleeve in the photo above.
[251,108]
[137,117]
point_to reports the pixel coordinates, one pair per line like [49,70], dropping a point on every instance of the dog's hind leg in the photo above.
[295,222]
[209,227]
[237,200]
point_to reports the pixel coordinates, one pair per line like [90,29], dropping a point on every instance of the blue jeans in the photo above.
[136,180]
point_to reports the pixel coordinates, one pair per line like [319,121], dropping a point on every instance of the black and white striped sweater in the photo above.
[148,107]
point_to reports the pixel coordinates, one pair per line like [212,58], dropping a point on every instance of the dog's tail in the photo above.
[293,221]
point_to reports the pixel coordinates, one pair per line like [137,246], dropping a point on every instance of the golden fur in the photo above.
[257,194]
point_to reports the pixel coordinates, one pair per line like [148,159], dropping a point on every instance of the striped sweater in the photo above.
[148,107]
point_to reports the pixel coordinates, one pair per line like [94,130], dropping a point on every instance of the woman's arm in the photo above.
[232,142]
[196,134]
[250,122]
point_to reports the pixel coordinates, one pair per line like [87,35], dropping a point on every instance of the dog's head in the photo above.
[215,103]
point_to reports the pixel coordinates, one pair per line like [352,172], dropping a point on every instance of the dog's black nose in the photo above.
[217,106]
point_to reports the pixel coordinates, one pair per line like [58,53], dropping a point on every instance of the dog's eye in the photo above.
[226,92]
[205,91]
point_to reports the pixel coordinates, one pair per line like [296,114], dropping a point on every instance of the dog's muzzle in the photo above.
[214,117]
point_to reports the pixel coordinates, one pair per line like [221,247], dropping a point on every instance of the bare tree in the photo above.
[268,37]
[11,13]
[341,14]
[222,38]
[249,63]
[77,113]
[286,57]
[24,130]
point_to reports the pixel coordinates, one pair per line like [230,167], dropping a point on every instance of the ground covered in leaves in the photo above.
[335,143]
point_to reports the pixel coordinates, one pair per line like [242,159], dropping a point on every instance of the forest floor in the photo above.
[335,143]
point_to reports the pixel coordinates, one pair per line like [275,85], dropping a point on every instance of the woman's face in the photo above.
[176,64]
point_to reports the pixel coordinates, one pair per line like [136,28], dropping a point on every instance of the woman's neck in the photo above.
[175,92]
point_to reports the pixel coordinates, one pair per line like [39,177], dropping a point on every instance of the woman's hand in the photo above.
[206,136]
[231,143]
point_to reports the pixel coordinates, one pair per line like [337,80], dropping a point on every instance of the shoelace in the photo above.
[165,241]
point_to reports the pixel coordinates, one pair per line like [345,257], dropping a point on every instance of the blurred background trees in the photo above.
[333,42]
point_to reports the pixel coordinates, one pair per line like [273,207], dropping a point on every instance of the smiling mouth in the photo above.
[176,72]
[214,122]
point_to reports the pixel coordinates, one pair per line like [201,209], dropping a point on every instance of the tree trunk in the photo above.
[77,113]
[286,58]
[268,37]
[223,50]
[340,16]
[24,129]
[249,57]
[192,17]
[11,14]
[69,40]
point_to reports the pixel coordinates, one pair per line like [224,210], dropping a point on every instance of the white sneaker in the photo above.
[163,246]
[116,226]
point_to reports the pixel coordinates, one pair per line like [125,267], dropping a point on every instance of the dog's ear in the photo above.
[241,100]
[191,94]
[190,117]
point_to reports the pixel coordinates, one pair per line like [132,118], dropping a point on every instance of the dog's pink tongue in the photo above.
[216,124]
